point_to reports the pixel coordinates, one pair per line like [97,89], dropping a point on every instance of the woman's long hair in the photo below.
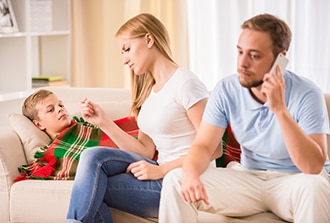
[138,27]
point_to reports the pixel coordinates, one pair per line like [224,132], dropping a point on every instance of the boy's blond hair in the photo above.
[29,108]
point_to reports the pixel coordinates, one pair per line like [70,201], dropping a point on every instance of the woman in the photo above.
[168,102]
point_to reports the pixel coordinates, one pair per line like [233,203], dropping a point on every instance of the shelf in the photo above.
[12,95]
[51,33]
[40,47]
[11,35]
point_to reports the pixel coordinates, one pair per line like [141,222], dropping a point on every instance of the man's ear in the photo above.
[38,125]
[149,40]
[283,52]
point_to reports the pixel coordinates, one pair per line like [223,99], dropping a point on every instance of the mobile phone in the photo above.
[280,60]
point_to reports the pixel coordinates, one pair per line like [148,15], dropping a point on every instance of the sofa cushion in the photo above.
[40,201]
[31,137]
[231,149]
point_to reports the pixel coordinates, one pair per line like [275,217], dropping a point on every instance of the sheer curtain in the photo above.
[214,28]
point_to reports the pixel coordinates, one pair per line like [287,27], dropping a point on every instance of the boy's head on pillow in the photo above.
[47,112]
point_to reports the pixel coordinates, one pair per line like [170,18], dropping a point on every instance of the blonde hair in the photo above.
[138,27]
[30,103]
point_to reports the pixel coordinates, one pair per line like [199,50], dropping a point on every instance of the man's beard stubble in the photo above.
[251,83]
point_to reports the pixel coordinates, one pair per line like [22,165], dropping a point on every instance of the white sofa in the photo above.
[37,201]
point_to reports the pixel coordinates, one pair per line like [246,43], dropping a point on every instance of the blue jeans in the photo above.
[101,182]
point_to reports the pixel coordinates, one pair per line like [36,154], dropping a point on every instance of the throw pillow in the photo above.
[231,149]
[31,137]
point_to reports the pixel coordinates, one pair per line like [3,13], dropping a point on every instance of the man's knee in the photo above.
[312,186]
[173,178]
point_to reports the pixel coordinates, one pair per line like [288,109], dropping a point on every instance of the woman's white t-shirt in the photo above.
[163,115]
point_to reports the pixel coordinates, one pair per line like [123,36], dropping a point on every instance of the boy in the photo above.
[69,137]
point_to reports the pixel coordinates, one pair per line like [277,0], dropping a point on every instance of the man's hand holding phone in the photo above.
[280,60]
[274,86]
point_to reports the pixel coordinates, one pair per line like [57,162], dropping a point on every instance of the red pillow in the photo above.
[231,149]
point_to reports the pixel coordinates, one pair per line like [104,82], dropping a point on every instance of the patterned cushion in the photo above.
[231,149]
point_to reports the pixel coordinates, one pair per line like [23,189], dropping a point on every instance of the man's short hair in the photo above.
[278,30]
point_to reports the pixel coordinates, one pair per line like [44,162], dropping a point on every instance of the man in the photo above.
[280,121]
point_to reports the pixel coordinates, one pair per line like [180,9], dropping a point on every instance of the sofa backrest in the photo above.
[327,100]
[116,102]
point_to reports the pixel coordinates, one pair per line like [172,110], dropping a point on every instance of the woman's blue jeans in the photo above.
[101,182]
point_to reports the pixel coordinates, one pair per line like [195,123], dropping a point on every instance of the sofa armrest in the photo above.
[327,101]
[11,156]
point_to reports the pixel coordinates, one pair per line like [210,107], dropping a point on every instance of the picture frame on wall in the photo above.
[7,17]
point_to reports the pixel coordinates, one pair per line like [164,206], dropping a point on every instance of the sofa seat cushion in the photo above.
[37,200]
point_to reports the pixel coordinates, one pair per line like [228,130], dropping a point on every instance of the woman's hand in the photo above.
[92,112]
[143,170]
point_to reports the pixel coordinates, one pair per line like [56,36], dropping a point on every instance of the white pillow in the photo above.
[32,138]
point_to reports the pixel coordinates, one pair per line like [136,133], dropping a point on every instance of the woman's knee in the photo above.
[93,155]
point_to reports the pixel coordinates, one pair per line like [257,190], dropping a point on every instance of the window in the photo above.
[214,28]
